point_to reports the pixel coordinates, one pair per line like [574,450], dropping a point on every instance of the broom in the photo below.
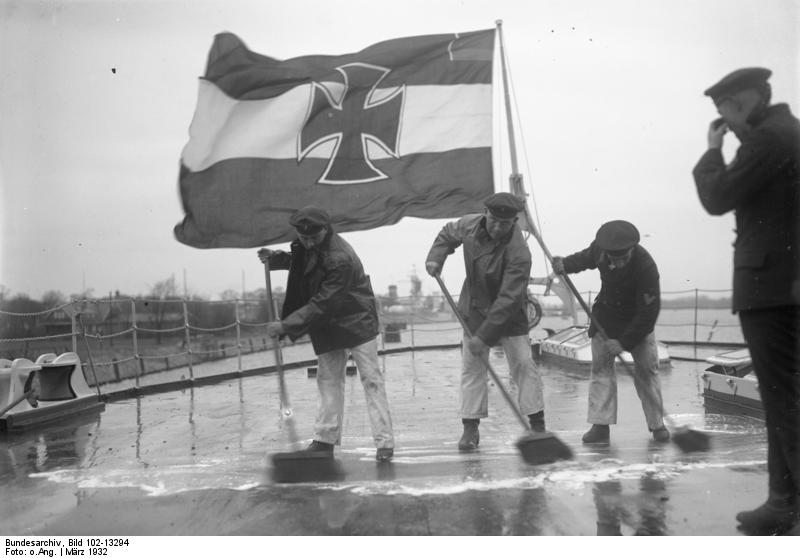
[294,466]
[686,439]
[537,448]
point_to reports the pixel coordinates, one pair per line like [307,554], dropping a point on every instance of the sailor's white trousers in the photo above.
[603,383]
[331,388]
[525,375]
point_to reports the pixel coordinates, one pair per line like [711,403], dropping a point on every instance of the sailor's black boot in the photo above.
[537,421]
[319,447]
[597,434]
[471,437]
[774,517]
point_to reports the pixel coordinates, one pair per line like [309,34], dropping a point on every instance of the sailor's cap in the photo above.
[504,205]
[310,220]
[616,236]
[738,80]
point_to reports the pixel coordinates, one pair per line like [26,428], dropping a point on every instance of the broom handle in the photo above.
[628,368]
[485,360]
[286,406]
[89,355]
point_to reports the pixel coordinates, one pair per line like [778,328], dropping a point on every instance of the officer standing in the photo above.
[627,308]
[493,302]
[761,185]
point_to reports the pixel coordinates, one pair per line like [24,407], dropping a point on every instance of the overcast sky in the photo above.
[96,99]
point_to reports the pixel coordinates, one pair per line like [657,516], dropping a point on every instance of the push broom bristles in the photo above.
[541,448]
[305,466]
[691,440]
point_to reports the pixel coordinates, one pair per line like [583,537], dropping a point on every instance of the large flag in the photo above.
[402,128]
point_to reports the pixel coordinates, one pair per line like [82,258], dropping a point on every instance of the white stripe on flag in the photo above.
[436,118]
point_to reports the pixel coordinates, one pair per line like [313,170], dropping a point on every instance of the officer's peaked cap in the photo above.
[739,80]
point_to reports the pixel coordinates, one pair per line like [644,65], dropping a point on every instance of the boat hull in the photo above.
[730,395]
[730,386]
[46,414]
[572,347]
[52,389]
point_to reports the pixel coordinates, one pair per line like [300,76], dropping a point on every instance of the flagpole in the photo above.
[517,187]
[511,141]
[515,180]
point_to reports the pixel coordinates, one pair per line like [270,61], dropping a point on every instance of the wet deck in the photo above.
[195,462]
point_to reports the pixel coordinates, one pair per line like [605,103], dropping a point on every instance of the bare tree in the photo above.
[53,299]
[158,306]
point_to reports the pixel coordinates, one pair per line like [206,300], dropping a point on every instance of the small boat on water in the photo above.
[51,389]
[572,347]
[730,385]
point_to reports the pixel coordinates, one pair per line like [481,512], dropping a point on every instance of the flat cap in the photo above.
[504,205]
[310,220]
[739,80]
[616,236]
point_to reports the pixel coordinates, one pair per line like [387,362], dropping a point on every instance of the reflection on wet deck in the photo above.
[195,462]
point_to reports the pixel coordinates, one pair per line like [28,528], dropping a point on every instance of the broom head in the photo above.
[691,440]
[538,448]
[305,466]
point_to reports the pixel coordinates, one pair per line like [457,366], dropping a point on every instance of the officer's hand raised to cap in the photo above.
[433,268]
[716,131]
[558,265]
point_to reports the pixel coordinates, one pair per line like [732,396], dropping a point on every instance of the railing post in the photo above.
[187,333]
[412,326]
[589,301]
[74,334]
[694,337]
[238,335]
[136,356]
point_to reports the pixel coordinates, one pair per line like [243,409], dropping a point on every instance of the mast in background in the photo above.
[516,185]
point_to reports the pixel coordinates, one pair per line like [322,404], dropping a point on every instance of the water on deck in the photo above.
[195,462]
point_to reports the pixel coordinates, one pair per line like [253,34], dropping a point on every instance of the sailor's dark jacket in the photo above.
[328,295]
[629,300]
[494,296]
[762,186]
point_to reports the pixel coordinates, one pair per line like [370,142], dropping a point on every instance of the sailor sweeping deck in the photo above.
[492,303]
[329,297]
[627,307]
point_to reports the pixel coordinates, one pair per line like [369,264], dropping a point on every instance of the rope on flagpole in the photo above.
[516,181]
